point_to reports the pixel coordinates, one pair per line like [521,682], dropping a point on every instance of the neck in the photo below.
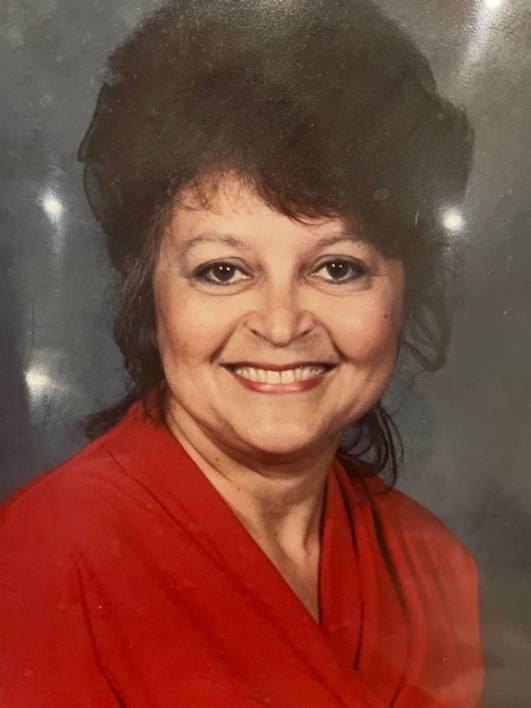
[278,499]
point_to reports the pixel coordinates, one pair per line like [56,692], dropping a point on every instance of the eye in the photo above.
[219,273]
[341,270]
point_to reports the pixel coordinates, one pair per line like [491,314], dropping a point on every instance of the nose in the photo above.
[279,317]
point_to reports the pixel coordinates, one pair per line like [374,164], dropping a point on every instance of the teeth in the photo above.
[289,376]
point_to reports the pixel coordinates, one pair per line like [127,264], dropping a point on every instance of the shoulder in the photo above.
[69,506]
[47,512]
[409,528]
[408,534]
[56,533]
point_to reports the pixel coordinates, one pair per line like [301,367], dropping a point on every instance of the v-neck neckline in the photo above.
[192,492]
[163,465]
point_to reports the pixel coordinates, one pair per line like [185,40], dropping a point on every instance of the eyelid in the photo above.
[329,258]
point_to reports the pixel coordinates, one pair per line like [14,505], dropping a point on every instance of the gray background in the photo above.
[467,429]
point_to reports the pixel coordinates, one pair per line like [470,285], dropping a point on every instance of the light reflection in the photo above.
[486,21]
[52,205]
[453,220]
[48,385]
[43,386]
[38,382]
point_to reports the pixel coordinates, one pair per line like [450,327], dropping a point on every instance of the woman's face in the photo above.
[240,291]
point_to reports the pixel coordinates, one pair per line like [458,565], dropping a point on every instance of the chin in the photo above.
[281,441]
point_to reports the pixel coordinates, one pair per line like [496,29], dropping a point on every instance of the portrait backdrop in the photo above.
[466,429]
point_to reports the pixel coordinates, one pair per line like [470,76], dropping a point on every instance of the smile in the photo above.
[302,373]
[301,378]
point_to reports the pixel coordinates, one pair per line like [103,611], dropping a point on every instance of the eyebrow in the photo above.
[234,242]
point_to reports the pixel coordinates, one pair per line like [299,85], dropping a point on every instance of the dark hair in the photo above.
[324,107]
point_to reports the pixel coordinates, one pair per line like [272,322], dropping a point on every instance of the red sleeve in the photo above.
[47,656]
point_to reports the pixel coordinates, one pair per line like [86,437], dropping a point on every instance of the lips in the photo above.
[276,378]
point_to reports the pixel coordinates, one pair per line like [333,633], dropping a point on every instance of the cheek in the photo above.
[186,329]
[368,331]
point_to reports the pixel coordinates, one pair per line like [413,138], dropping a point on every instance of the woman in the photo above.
[269,179]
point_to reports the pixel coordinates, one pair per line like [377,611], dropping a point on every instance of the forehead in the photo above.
[230,206]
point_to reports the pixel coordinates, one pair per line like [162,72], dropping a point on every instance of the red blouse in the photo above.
[126,580]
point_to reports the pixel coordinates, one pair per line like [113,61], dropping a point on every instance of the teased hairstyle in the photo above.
[323,107]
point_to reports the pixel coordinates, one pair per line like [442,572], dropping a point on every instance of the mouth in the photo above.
[276,379]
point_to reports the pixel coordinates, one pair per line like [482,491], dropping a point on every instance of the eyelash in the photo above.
[201,273]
